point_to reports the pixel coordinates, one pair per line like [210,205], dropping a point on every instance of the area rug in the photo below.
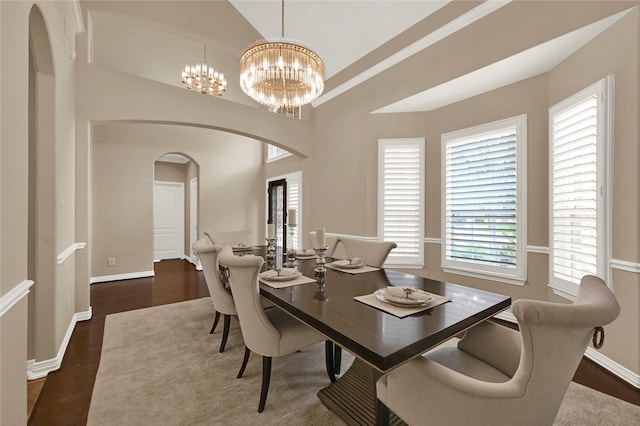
[160,366]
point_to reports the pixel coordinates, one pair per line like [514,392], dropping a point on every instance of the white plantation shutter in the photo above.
[482,209]
[294,202]
[577,198]
[401,192]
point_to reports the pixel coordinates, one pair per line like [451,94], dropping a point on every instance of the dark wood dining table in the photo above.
[379,340]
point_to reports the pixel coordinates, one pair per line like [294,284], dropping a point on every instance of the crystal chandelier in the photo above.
[281,74]
[203,78]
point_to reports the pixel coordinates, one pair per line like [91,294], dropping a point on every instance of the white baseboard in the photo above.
[603,361]
[38,369]
[118,277]
[619,370]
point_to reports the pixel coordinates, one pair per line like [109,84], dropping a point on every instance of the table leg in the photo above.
[353,397]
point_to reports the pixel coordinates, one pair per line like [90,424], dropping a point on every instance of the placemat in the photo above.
[401,311]
[282,284]
[365,268]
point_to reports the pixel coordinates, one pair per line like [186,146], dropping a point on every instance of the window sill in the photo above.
[567,290]
[491,276]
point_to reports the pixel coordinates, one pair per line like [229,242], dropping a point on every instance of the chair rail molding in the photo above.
[69,251]
[13,296]
[538,249]
[39,369]
[624,265]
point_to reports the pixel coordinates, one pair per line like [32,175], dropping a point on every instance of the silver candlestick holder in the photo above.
[320,269]
[291,250]
[271,248]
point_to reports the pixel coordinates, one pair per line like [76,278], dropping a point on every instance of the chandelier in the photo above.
[203,78]
[281,74]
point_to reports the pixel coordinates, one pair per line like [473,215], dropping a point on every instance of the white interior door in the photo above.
[193,218]
[168,220]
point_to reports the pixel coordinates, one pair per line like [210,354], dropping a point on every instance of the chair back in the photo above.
[229,238]
[332,243]
[372,253]
[554,339]
[258,332]
[221,297]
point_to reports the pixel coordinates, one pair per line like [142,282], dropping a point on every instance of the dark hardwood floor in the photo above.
[66,393]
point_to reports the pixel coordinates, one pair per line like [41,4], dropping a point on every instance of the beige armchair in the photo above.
[499,376]
[270,333]
[372,253]
[220,296]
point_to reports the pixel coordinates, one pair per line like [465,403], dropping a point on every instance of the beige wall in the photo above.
[231,174]
[616,52]
[53,296]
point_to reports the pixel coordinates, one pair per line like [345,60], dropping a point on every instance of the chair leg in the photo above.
[225,332]
[215,322]
[329,361]
[382,414]
[337,359]
[266,377]
[247,352]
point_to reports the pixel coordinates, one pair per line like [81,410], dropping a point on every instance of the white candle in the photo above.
[271,231]
[291,217]
[321,239]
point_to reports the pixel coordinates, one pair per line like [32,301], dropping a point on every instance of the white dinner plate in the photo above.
[381,295]
[271,275]
[345,264]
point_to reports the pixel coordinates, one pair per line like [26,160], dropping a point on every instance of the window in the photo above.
[483,220]
[578,141]
[276,153]
[401,199]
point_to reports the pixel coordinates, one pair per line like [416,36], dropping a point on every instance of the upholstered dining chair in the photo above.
[332,243]
[270,333]
[372,253]
[230,238]
[499,376]
[220,296]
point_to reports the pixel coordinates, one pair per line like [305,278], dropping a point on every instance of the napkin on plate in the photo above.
[284,272]
[407,292]
[355,261]
[306,252]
